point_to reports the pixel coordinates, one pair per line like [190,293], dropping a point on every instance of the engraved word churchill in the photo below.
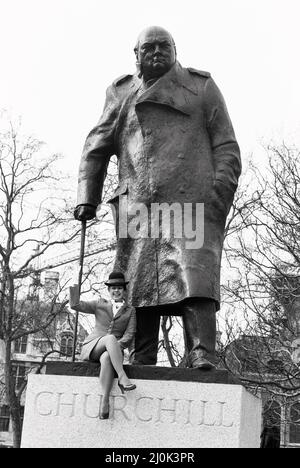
[143,409]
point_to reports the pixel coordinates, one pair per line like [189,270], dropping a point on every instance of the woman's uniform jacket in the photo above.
[175,144]
[122,325]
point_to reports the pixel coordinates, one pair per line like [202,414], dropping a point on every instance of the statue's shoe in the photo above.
[202,363]
[200,359]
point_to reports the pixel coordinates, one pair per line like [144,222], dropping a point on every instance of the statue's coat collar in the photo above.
[171,90]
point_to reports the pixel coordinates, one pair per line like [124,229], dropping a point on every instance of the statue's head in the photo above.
[155,52]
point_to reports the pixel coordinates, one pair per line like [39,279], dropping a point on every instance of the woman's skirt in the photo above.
[87,348]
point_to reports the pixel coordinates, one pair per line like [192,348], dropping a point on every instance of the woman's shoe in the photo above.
[104,414]
[126,388]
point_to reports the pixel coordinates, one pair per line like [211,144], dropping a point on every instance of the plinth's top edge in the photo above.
[90,369]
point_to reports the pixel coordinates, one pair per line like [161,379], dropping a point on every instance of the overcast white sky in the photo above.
[58,57]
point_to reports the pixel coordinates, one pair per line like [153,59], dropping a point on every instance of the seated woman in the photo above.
[115,324]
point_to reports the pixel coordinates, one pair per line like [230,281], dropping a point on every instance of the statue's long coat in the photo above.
[175,144]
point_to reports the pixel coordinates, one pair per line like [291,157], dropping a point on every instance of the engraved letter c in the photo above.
[136,409]
[36,401]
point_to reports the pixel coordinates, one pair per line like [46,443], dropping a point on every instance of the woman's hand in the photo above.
[75,276]
[74,297]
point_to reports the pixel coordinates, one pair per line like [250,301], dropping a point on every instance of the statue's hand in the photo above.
[222,189]
[85,212]
[224,194]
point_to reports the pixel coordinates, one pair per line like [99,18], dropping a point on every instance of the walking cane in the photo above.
[81,257]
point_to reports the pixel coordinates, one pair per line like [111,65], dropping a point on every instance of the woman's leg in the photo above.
[107,374]
[110,344]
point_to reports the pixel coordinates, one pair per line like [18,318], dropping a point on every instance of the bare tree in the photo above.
[261,287]
[36,223]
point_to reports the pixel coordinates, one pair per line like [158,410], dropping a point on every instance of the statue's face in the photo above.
[156,53]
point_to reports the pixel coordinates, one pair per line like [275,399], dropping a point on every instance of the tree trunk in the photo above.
[2,310]
[167,341]
[12,399]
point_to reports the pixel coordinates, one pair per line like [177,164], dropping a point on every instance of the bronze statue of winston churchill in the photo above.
[170,129]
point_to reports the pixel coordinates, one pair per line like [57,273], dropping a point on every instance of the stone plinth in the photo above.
[169,408]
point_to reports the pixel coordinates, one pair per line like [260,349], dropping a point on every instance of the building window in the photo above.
[295,424]
[19,374]
[4,418]
[21,345]
[66,345]
[43,345]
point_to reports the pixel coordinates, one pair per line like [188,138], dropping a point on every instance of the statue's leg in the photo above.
[199,321]
[146,337]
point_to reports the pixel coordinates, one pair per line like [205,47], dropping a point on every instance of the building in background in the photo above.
[29,351]
[268,372]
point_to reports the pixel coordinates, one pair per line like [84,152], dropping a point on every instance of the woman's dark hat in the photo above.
[116,279]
